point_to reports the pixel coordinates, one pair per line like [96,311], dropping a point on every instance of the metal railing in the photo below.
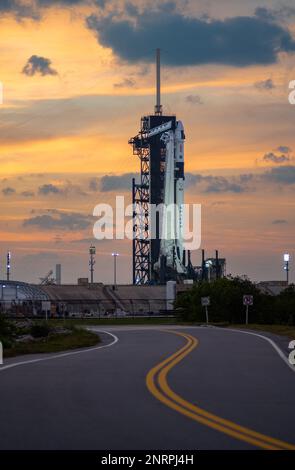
[71,308]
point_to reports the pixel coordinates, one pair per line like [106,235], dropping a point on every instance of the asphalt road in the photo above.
[218,390]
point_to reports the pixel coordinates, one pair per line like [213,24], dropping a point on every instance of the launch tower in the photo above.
[160,148]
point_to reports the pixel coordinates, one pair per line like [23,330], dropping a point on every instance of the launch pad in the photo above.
[160,148]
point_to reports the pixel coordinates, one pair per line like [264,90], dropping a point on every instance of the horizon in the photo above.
[74,93]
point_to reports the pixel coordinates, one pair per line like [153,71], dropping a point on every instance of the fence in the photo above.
[85,308]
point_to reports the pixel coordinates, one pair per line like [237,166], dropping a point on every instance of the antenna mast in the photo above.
[158,107]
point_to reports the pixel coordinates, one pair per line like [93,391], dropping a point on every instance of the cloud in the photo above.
[265,85]
[218,184]
[85,240]
[126,83]
[284,149]
[46,189]
[18,9]
[38,65]
[58,220]
[282,13]
[222,185]
[28,194]
[113,182]
[239,41]
[67,188]
[8,191]
[65,3]
[30,9]
[279,222]
[281,175]
[94,184]
[273,158]
[194,99]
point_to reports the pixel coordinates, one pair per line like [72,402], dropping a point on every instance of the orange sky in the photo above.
[67,128]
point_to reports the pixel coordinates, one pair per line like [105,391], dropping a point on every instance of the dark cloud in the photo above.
[223,185]
[131,9]
[238,41]
[281,175]
[194,99]
[94,184]
[8,191]
[112,183]
[18,9]
[38,65]
[28,194]
[32,9]
[273,158]
[50,3]
[126,83]
[265,85]
[282,13]
[85,240]
[279,222]
[67,189]
[46,189]
[58,220]
[218,184]
[284,149]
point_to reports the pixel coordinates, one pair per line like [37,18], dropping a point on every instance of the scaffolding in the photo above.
[151,152]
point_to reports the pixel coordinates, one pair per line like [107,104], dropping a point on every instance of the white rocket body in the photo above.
[179,185]
[173,213]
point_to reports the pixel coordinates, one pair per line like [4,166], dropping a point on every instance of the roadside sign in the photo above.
[248,300]
[205,301]
[46,305]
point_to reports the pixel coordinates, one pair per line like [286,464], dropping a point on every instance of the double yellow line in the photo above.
[156,381]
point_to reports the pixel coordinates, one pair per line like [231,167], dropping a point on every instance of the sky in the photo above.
[77,76]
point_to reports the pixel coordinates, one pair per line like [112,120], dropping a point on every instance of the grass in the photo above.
[283,330]
[79,338]
[113,321]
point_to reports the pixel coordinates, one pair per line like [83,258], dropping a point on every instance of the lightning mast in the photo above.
[8,265]
[158,107]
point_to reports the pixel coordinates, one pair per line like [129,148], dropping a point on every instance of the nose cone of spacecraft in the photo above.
[180,126]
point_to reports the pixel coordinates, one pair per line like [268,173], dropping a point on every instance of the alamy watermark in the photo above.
[167,222]
[1,353]
[292,93]
[292,353]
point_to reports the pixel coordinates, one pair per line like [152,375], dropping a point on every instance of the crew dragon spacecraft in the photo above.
[158,252]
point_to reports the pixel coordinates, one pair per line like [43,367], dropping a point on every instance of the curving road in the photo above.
[154,388]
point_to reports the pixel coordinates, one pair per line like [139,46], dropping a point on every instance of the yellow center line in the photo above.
[156,381]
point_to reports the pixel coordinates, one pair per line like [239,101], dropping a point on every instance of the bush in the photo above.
[40,330]
[7,331]
[226,296]
[286,306]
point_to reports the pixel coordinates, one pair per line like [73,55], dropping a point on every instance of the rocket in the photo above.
[173,218]
[179,189]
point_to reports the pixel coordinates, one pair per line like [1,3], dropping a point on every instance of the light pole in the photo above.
[8,265]
[115,268]
[286,266]
[92,252]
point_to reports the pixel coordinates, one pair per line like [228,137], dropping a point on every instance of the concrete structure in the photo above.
[272,287]
[98,299]
[20,298]
[58,274]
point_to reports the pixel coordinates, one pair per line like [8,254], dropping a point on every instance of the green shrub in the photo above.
[226,296]
[40,330]
[6,327]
